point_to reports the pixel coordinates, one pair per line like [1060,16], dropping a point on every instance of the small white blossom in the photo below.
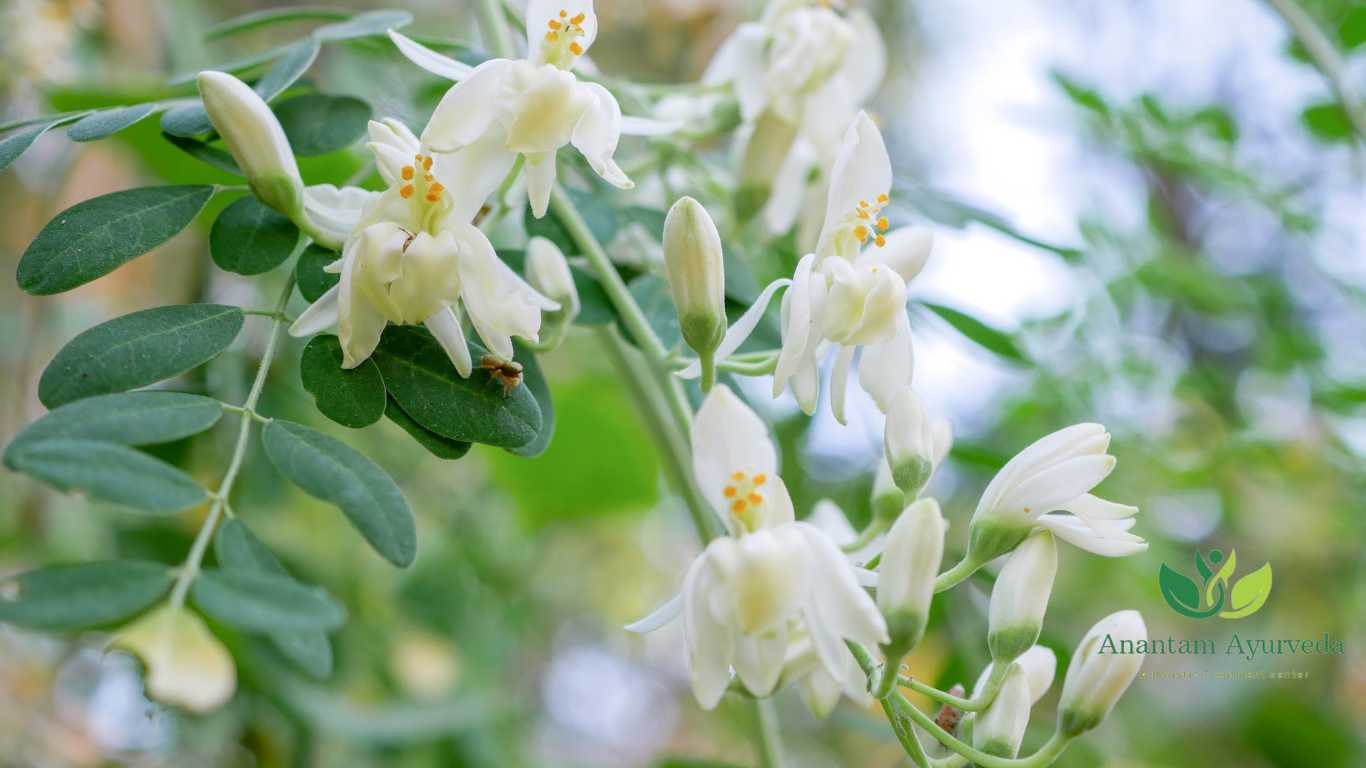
[186,665]
[1096,680]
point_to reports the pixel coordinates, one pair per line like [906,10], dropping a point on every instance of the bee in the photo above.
[508,373]
[948,716]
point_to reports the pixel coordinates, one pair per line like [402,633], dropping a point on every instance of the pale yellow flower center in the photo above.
[745,499]
[561,43]
[428,196]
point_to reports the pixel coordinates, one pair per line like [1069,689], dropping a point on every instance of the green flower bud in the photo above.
[1020,597]
[255,139]
[697,275]
[1097,677]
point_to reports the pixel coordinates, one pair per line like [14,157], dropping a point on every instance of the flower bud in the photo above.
[1000,728]
[186,665]
[697,275]
[1039,664]
[1020,597]
[888,500]
[1097,675]
[910,561]
[909,441]
[256,140]
[548,273]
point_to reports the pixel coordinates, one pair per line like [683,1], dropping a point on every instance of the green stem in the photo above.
[1326,59]
[906,735]
[1041,757]
[496,28]
[976,704]
[190,569]
[769,738]
[865,536]
[950,578]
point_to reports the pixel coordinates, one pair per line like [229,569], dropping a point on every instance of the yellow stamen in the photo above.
[861,232]
[738,506]
[755,498]
[728,491]
[408,173]
[883,224]
[563,13]
[578,19]
[863,214]
[760,478]
[882,199]
[427,163]
[551,36]
[879,241]
[554,24]
[406,191]
[576,49]
[738,476]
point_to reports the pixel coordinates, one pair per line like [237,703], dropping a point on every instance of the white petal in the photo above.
[835,590]
[597,133]
[1072,530]
[740,61]
[885,368]
[665,613]
[649,126]
[540,180]
[320,315]
[468,109]
[1089,507]
[728,437]
[500,304]
[788,191]
[740,331]
[759,660]
[394,146]
[445,327]
[839,381]
[437,64]
[1058,484]
[797,323]
[820,691]
[862,170]
[540,12]
[710,643]
[472,174]
[1042,451]
[865,65]
[336,211]
[906,251]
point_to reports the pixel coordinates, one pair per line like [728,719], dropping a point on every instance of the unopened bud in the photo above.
[910,561]
[888,500]
[1098,673]
[1039,663]
[548,272]
[1020,596]
[1000,728]
[908,438]
[186,665]
[697,275]
[255,139]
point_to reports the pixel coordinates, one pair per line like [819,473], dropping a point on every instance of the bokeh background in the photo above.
[1151,213]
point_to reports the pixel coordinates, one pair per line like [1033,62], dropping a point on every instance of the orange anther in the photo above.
[755,498]
[427,177]
[738,476]
[863,214]
[427,163]
[883,198]
[879,241]
[576,49]
[407,173]
[738,506]
[883,224]
[863,203]
[578,19]
[406,191]
[760,478]
[553,24]
[563,13]
[728,491]
[551,36]
[861,232]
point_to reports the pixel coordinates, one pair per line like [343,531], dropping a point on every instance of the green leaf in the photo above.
[308,271]
[651,292]
[130,418]
[419,375]
[237,548]
[84,595]
[1327,122]
[186,119]
[330,470]
[436,445]
[1081,95]
[317,124]
[265,602]
[364,25]
[248,238]
[209,155]
[271,16]
[93,238]
[108,122]
[1180,592]
[533,380]
[138,349]
[1222,576]
[353,398]
[287,69]
[978,332]
[110,472]
[1249,593]
[15,144]
[1352,30]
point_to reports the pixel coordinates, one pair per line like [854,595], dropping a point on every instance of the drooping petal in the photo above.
[1107,541]
[1089,507]
[1058,484]
[394,146]
[788,191]
[436,63]
[540,180]
[839,381]
[865,65]
[597,133]
[728,437]
[336,211]
[711,645]
[632,125]
[835,590]
[665,613]
[797,323]
[740,61]
[740,331]
[320,315]
[548,104]
[906,251]
[500,304]
[886,368]
[468,109]
[820,692]
[472,174]
[445,328]
[759,659]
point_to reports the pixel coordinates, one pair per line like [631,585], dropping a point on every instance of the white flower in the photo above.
[914,442]
[1095,678]
[999,729]
[1057,472]
[1020,596]
[186,665]
[255,139]
[910,562]
[1039,663]
[530,107]
[695,266]
[548,272]
[771,579]
[409,258]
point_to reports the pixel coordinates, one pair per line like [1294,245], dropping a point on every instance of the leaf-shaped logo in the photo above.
[1183,595]
[1220,579]
[1249,593]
